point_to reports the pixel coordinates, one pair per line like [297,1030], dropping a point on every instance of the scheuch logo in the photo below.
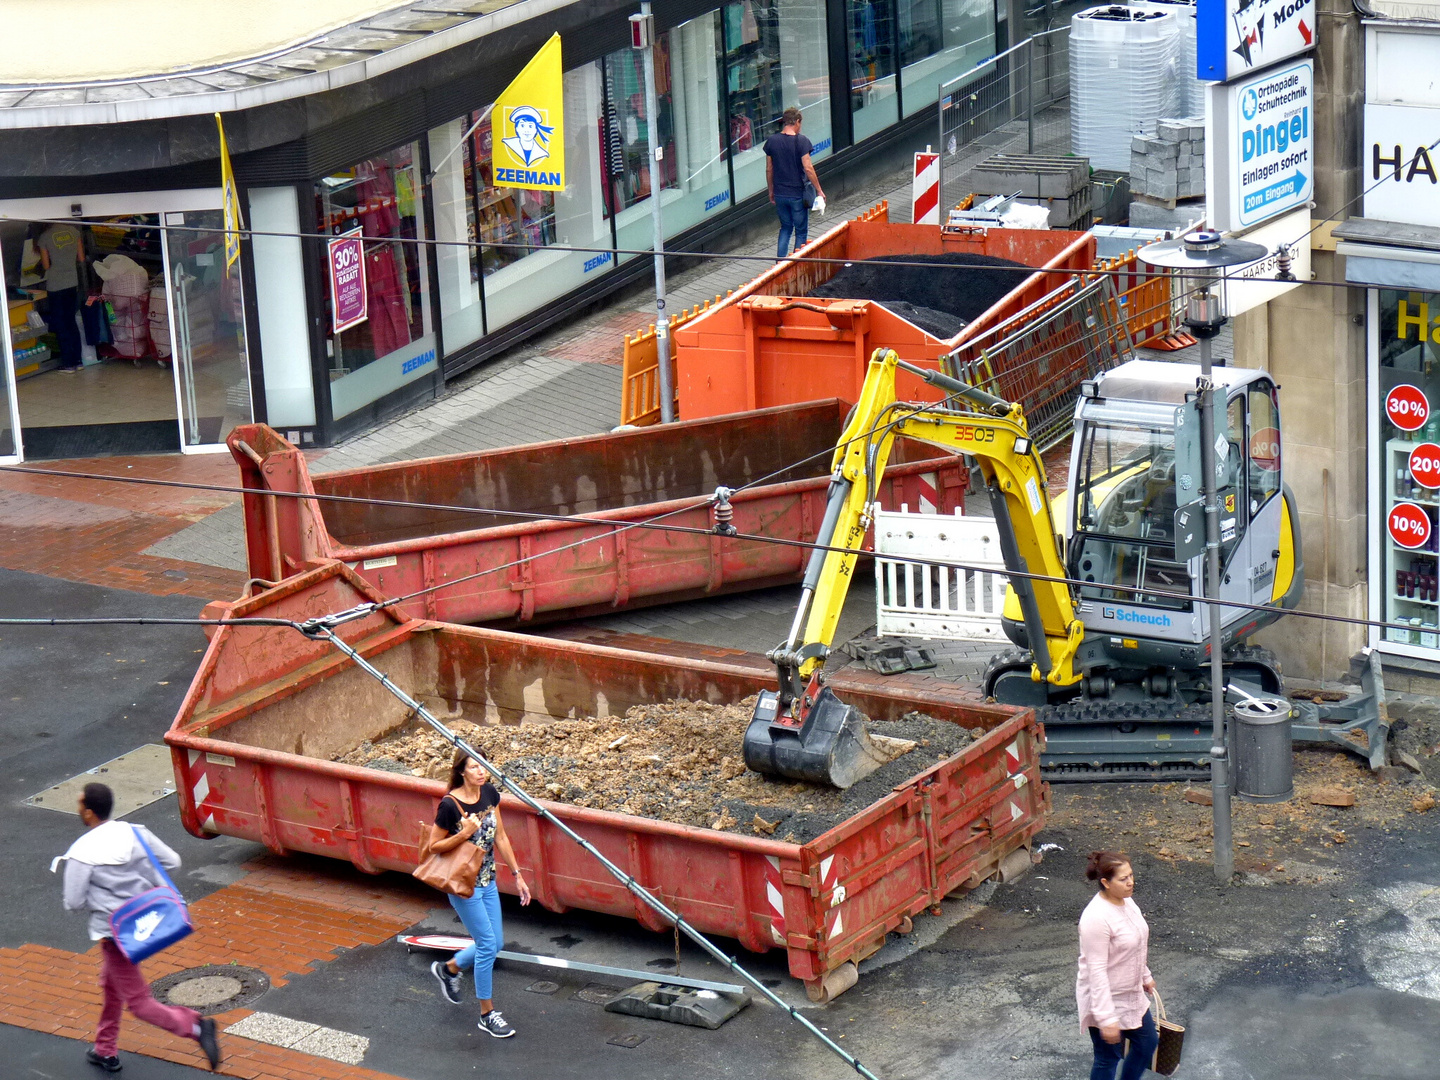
[1124,615]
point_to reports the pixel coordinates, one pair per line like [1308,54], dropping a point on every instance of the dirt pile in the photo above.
[680,762]
[1294,841]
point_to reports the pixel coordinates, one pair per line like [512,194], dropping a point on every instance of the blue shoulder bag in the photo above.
[152,921]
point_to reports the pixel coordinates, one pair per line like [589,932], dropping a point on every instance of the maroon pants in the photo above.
[124,987]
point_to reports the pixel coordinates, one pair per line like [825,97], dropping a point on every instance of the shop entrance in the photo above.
[146,353]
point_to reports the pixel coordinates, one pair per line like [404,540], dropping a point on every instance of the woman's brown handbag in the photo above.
[452,871]
[1172,1040]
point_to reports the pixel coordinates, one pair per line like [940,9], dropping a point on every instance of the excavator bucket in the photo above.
[830,746]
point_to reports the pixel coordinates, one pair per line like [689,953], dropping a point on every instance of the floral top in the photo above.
[452,812]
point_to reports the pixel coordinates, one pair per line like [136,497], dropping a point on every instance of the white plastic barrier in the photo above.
[928,601]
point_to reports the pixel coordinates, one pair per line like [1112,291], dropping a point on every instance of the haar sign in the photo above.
[1237,37]
[1263,131]
[1401,174]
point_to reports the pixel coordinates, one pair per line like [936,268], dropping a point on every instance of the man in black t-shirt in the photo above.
[787,168]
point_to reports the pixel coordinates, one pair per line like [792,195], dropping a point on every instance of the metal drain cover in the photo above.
[544,986]
[596,993]
[215,988]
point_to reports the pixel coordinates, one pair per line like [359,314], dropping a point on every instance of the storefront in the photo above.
[456,268]
[1394,251]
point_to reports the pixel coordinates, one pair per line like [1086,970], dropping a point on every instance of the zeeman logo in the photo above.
[1125,615]
[415,362]
[146,925]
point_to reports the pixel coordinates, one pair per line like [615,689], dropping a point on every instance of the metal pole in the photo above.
[1219,758]
[1030,95]
[323,630]
[662,321]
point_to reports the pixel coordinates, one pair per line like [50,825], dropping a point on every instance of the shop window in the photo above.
[693,177]
[493,258]
[394,344]
[873,102]
[939,41]
[1409,426]
[775,58]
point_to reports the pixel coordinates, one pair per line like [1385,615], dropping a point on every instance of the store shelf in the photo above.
[1413,600]
[27,332]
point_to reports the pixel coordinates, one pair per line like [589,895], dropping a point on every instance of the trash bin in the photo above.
[1263,763]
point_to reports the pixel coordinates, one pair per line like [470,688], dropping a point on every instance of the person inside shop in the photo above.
[788,172]
[62,250]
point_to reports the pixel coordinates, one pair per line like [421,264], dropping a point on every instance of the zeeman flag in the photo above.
[234,222]
[529,122]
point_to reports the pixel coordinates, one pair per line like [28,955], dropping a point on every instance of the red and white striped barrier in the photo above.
[925,190]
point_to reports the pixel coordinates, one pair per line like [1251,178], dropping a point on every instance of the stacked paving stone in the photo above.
[1170,164]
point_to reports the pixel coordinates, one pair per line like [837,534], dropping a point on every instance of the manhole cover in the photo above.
[215,988]
[544,986]
[205,991]
[597,993]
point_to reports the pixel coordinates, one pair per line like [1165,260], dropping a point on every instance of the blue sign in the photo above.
[1236,37]
[1263,146]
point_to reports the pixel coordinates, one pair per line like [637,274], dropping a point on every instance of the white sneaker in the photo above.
[492,1023]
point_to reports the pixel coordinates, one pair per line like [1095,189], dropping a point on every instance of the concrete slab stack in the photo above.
[1170,165]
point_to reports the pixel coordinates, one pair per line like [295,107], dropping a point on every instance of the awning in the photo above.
[1390,254]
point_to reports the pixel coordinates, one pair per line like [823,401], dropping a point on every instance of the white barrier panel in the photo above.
[919,599]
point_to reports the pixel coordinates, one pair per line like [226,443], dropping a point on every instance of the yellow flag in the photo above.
[234,223]
[529,122]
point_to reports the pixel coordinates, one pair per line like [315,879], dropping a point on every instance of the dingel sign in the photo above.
[1263,146]
[1400,173]
[1238,37]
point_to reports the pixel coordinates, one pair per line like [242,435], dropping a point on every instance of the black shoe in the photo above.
[210,1042]
[492,1023]
[109,1064]
[449,984]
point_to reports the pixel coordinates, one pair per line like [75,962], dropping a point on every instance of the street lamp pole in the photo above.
[642,36]
[1204,255]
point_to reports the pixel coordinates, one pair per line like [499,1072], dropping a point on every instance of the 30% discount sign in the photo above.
[1407,407]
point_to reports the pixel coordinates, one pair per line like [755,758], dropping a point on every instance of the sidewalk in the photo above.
[561,384]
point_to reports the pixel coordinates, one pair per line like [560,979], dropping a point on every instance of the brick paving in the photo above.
[96,531]
[281,919]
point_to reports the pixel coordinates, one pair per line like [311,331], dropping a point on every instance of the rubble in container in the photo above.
[942,295]
[1170,164]
[680,762]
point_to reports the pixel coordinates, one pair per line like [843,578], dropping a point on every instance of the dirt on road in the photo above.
[680,762]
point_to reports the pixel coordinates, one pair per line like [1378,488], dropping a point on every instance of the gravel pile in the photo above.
[965,288]
[680,762]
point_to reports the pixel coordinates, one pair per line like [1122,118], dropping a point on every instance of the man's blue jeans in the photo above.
[1142,1040]
[794,217]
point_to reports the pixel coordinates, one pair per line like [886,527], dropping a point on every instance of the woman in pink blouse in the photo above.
[1114,979]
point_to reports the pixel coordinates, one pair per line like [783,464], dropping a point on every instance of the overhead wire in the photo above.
[770,260]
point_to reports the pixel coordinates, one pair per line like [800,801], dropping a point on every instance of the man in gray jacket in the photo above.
[103,869]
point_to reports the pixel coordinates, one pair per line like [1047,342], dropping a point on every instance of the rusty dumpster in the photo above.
[435,527]
[269,707]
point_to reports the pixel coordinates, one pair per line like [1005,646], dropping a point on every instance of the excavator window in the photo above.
[1125,515]
[1264,446]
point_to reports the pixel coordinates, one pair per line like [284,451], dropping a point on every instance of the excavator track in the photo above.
[1095,740]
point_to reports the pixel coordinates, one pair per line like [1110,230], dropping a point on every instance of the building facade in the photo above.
[358,131]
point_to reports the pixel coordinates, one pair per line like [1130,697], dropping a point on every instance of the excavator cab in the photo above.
[1131,498]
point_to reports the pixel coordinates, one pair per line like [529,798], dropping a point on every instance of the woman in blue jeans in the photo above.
[470,814]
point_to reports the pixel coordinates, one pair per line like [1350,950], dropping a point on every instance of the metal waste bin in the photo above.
[1261,750]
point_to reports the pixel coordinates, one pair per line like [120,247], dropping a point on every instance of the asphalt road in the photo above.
[1284,981]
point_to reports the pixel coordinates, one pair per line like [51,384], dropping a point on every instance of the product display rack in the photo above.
[1411,570]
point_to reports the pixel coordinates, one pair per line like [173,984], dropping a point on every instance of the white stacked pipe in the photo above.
[1124,77]
[1192,94]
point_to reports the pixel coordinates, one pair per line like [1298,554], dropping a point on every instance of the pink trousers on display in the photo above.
[124,987]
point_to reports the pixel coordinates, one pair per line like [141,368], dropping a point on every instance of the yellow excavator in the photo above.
[1113,648]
